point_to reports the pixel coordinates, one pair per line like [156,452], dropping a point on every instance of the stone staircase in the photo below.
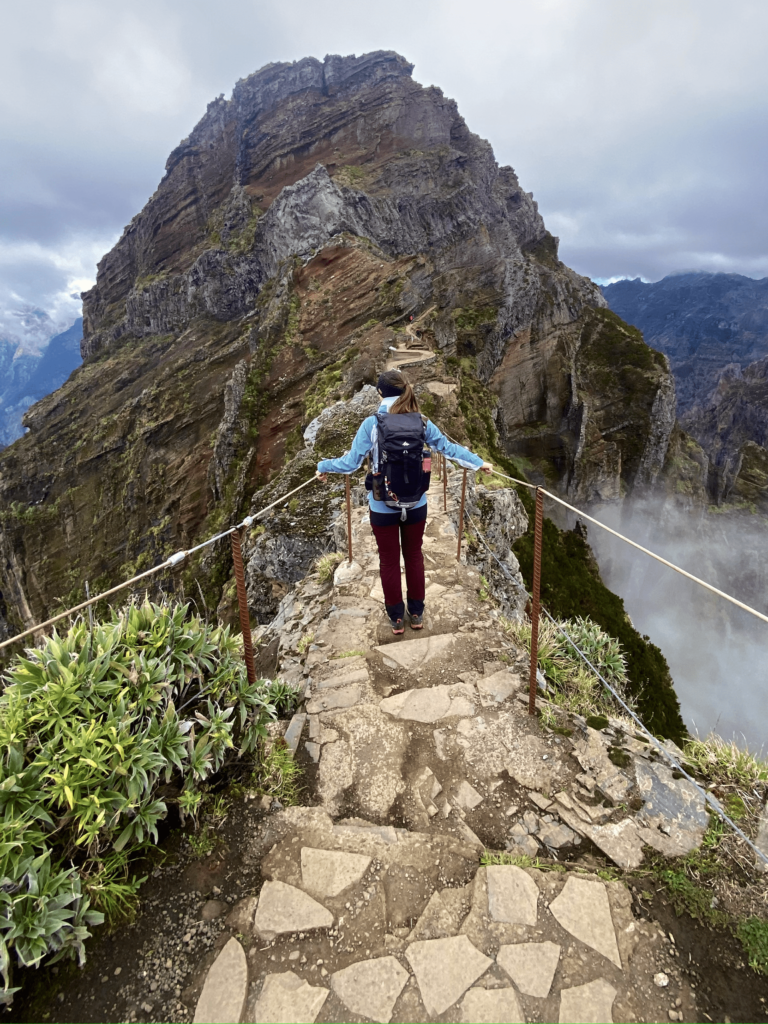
[377,902]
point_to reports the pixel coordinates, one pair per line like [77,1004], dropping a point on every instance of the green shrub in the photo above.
[573,686]
[283,697]
[571,586]
[91,725]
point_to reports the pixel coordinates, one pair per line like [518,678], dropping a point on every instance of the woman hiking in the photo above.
[397,437]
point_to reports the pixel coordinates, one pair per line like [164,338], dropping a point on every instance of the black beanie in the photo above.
[388,390]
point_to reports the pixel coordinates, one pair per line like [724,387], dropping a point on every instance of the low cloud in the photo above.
[40,288]
[716,651]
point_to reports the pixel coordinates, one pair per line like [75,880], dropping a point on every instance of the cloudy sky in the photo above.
[640,126]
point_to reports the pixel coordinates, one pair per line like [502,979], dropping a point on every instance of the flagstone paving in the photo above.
[226,987]
[419,755]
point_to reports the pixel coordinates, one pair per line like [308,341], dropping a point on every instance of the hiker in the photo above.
[397,437]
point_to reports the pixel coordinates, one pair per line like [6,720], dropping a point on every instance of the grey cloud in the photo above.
[640,126]
[715,651]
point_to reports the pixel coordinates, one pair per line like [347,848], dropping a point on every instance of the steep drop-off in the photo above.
[295,231]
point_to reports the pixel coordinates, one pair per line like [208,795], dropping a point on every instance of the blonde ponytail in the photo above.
[407,402]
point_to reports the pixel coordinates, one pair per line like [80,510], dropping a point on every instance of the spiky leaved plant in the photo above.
[91,725]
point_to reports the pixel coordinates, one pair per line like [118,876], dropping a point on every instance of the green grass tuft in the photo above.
[113,890]
[572,686]
[753,934]
[203,842]
[277,774]
[325,566]
[723,761]
[305,643]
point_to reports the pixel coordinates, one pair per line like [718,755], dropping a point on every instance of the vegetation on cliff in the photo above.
[570,587]
[101,731]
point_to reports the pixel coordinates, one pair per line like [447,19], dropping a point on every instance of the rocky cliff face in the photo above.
[296,230]
[733,428]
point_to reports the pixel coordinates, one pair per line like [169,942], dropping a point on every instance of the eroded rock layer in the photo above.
[327,213]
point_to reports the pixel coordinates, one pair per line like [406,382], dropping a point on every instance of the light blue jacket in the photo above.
[363,442]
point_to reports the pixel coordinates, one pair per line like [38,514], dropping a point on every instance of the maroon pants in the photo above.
[388,539]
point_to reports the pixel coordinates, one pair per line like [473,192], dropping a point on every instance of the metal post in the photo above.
[445,485]
[242,603]
[90,619]
[461,515]
[535,605]
[90,606]
[349,519]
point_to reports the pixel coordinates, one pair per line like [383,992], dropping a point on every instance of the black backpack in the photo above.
[401,461]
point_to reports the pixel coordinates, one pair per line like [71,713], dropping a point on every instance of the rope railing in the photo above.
[171,562]
[234,533]
[639,547]
[676,766]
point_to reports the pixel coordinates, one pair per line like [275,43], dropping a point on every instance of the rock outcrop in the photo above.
[703,322]
[733,429]
[298,228]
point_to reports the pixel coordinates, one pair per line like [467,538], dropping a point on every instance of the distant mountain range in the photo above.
[705,323]
[26,378]
[714,329]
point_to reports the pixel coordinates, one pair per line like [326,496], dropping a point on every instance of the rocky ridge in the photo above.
[377,899]
[703,322]
[296,230]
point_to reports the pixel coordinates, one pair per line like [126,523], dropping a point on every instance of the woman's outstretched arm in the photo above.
[463,456]
[353,459]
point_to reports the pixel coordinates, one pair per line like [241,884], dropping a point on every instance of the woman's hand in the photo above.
[322,477]
[486,468]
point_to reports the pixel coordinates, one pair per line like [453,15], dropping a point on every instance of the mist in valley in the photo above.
[717,653]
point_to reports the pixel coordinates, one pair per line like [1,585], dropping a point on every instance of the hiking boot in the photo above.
[397,625]
[417,621]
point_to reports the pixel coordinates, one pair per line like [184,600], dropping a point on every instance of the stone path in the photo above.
[410,352]
[420,755]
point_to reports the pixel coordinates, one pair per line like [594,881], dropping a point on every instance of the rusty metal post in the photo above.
[242,603]
[461,515]
[445,485]
[349,518]
[535,606]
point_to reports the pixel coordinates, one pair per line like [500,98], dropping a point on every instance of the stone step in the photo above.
[385,924]
[415,654]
